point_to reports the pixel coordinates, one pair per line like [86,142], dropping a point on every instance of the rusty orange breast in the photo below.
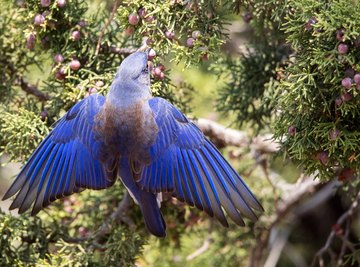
[127,131]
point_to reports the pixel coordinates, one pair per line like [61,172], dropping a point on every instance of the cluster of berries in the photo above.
[142,15]
[348,82]
[74,64]
[343,47]
[135,18]
[60,74]
[158,71]
[352,79]
[40,18]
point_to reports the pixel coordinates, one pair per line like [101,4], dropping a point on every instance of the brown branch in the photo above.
[28,88]
[342,219]
[33,90]
[278,245]
[292,196]
[117,50]
[222,137]
[119,215]
[101,34]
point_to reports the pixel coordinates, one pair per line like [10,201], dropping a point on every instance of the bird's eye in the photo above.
[145,70]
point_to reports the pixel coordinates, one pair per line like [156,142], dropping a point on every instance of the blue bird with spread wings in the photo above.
[144,140]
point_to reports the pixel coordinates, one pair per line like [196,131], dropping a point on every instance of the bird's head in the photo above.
[134,68]
[132,80]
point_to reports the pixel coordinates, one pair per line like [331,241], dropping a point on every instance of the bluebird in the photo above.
[144,140]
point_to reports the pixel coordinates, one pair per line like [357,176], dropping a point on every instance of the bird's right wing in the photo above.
[186,163]
[65,162]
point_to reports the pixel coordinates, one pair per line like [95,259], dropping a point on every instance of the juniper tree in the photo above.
[297,78]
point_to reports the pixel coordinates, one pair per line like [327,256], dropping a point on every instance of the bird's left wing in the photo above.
[185,163]
[65,162]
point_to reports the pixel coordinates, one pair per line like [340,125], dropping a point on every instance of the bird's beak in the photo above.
[144,48]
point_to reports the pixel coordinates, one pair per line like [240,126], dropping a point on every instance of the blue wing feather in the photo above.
[65,162]
[184,181]
[189,173]
[200,174]
[205,201]
[177,188]
[214,208]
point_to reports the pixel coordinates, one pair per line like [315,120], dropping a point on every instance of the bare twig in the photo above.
[101,34]
[119,215]
[264,167]
[345,217]
[277,247]
[205,246]
[290,208]
[345,244]
[295,193]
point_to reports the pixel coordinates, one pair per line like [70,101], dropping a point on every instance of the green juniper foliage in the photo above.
[252,82]
[318,124]
[297,78]
[254,75]
[315,112]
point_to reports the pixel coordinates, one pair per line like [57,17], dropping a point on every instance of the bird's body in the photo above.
[129,130]
[146,141]
[125,122]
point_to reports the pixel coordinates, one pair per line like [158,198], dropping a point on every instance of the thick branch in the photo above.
[28,88]
[223,137]
[33,90]
[117,50]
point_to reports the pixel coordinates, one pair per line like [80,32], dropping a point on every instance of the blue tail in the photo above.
[154,220]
